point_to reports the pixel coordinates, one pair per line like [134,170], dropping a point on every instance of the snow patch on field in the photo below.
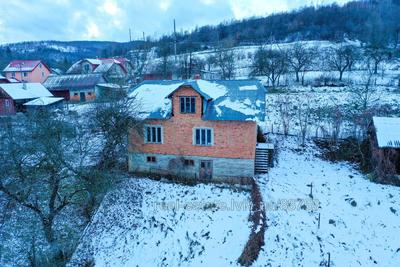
[360,220]
[149,223]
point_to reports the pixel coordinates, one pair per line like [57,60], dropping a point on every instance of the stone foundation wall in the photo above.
[224,169]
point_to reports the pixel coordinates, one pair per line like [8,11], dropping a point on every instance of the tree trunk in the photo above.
[47,223]
[340,75]
[376,67]
[297,77]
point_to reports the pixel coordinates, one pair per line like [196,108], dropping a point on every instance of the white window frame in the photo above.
[8,103]
[185,98]
[156,126]
[203,128]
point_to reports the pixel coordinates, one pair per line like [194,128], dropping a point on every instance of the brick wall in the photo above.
[90,95]
[232,139]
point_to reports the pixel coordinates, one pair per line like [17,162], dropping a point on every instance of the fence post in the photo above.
[329,259]
[319,220]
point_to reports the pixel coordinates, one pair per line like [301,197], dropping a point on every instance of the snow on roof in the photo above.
[224,100]
[44,101]
[69,82]
[387,131]
[93,61]
[21,65]
[32,90]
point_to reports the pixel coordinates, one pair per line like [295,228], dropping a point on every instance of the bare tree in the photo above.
[341,58]
[225,61]
[37,156]
[270,63]
[300,60]
[303,112]
[363,98]
[376,56]
[139,59]
[285,109]
[113,120]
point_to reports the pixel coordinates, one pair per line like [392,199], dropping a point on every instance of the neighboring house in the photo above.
[385,147]
[114,70]
[80,87]
[4,79]
[45,103]
[106,90]
[32,71]
[197,129]
[13,96]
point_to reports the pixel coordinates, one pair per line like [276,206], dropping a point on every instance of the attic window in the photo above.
[188,104]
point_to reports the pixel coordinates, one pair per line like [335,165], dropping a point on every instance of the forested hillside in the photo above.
[376,23]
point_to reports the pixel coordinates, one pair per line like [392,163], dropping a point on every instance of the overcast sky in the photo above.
[26,20]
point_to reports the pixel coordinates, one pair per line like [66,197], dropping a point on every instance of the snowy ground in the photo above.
[150,223]
[360,220]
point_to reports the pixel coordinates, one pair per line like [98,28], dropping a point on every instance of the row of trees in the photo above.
[61,164]
[299,59]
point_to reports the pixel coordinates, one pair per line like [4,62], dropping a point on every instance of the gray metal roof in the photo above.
[232,100]
[69,82]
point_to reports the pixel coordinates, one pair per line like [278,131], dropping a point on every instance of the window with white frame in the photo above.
[153,134]
[8,103]
[188,104]
[203,136]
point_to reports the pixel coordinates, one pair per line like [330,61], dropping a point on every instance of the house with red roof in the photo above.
[114,70]
[32,71]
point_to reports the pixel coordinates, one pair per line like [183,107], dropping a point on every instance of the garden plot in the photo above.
[150,223]
[359,220]
[318,99]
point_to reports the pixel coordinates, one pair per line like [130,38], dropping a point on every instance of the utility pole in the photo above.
[175,40]
[130,35]
[144,38]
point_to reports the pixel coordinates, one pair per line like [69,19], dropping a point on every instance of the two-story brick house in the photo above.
[197,129]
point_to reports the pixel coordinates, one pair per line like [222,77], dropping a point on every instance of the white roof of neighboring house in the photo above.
[32,90]
[387,131]
[44,101]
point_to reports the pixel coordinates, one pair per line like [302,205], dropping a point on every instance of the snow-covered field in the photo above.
[359,224]
[150,223]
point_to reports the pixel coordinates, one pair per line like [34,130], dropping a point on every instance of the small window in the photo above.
[203,137]
[188,162]
[151,159]
[188,104]
[42,74]
[13,74]
[153,134]
[75,94]
[89,93]
[8,103]
[40,66]
[25,74]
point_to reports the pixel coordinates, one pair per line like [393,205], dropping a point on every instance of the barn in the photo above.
[385,147]
[13,96]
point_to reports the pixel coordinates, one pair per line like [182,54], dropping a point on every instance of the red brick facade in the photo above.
[232,139]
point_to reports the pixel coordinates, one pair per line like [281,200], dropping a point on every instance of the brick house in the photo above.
[197,129]
[79,87]
[32,71]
